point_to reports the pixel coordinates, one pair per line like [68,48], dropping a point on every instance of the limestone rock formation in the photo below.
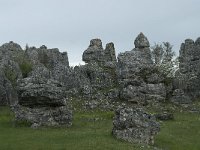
[43,102]
[96,54]
[8,95]
[135,126]
[42,62]
[33,82]
[10,54]
[50,63]
[188,76]
[41,92]
[97,78]
[139,79]
[42,116]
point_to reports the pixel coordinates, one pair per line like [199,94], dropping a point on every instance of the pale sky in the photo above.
[70,24]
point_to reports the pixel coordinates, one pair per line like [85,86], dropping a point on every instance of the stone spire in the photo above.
[141,41]
[96,43]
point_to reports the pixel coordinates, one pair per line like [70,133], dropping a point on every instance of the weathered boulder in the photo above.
[44,116]
[42,102]
[135,126]
[164,116]
[41,92]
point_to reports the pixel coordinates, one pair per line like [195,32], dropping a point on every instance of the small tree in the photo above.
[168,52]
[163,57]
[27,47]
[157,53]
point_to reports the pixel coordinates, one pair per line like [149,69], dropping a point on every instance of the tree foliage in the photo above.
[11,75]
[25,67]
[163,57]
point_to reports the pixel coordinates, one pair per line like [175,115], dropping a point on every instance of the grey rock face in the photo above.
[9,72]
[138,77]
[165,116]
[188,76]
[10,50]
[42,102]
[51,64]
[7,94]
[96,53]
[40,92]
[97,78]
[179,97]
[135,126]
[56,116]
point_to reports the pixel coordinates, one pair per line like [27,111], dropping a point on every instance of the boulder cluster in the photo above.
[40,86]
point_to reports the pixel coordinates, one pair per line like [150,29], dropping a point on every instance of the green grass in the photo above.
[87,134]
[181,134]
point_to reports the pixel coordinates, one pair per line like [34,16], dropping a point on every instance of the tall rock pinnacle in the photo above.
[141,41]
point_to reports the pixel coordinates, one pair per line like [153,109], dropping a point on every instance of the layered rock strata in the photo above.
[42,102]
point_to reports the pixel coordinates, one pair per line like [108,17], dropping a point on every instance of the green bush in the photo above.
[25,67]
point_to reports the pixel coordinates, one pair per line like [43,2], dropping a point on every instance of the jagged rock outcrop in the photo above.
[10,54]
[96,54]
[139,79]
[42,62]
[97,79]
[134,125]
[188,76]
[8,95]
[50,63]
[42,102]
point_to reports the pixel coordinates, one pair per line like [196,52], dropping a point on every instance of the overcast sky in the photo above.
[70,24]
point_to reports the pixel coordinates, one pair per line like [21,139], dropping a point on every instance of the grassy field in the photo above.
[86,134]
